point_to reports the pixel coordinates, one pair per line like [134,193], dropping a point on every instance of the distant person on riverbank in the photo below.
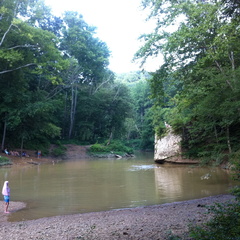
[39,153]
[6,151]
[6,195]
[24,154]
[14,153]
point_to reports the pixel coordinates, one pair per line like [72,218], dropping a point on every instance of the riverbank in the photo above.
[142,223]
[73,152]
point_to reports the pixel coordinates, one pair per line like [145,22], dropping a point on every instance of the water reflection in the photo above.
[103,184]
[177,182]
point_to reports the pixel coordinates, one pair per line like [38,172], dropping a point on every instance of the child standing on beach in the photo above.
[6,195]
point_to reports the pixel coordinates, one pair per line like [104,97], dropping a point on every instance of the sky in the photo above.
[119,23]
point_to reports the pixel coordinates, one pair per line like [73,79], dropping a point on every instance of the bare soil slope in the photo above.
[76,151]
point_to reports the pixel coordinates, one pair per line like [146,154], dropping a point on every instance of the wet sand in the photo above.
[141,223]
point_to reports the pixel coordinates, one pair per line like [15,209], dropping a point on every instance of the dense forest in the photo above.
[56,85]
[197,89]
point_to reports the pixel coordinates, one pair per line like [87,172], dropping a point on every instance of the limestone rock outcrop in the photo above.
[168,148]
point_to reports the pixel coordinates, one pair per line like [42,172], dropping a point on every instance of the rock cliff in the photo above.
[168,148]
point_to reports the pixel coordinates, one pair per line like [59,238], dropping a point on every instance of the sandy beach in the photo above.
[141,223]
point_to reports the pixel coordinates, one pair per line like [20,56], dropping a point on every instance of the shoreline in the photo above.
[147,222]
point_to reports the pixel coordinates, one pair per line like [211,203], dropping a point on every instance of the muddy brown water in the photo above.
[90,185]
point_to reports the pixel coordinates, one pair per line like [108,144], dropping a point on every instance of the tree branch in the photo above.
[100,86]
[22,46]
[231,58]
[54,92]
[5,34]
[27,65]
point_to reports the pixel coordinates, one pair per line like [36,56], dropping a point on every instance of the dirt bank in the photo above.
[142,223]
[72,152]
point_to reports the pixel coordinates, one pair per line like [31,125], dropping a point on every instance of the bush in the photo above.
[58,151]
[118,146]
[4,161]
[225,225]
[236,192]
[98,148]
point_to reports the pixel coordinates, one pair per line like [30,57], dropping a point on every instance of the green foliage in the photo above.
[119,146]
[79,41]
[171,236]
[236,191]
[4,161]
[64,87]
[134,144]
[59,150]
[139,125]
[225,224]
[196,90]
[103,113]
[96,148]
[235,168]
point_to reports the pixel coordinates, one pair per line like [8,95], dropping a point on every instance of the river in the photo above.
[80,186]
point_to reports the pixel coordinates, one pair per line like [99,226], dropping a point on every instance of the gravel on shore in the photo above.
[142,223]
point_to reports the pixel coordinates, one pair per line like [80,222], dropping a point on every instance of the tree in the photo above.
[202,60]
[89,60]
[55,79]
[139,125]
[103,115]
[30,60]
[79,42]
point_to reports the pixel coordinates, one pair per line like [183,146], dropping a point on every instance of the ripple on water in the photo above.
[141,167]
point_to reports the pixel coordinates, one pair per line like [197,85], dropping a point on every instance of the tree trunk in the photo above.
[110,138]
[65,117]
[228,140]
[4,134]
[73,110]
[231,58]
